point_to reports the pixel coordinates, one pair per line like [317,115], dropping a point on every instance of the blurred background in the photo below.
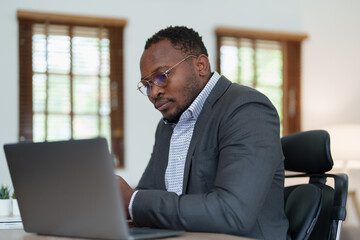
[70,68]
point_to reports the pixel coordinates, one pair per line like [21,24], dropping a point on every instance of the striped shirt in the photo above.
[181,137]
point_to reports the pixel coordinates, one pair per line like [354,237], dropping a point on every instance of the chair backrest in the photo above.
[309,154]
[302,208]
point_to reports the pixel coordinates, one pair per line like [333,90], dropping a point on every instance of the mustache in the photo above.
[161,101]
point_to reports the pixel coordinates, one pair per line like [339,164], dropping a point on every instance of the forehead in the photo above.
[160,55]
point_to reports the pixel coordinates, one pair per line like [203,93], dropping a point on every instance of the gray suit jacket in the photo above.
[234,173]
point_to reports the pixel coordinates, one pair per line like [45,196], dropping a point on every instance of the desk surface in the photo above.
[20,234]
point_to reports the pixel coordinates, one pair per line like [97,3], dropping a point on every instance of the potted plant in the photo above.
[15,205]
[5,202]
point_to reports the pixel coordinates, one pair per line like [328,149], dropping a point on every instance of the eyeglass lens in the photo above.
[160,81]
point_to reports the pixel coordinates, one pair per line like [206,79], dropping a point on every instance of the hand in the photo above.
[126,192]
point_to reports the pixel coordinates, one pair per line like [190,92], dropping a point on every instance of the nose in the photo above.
[156,91]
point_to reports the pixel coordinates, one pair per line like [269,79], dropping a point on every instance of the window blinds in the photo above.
[70,80]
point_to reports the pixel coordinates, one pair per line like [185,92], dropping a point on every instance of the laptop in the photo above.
[68,188]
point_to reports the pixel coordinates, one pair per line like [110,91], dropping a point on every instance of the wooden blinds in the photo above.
[71,79]
[268,61]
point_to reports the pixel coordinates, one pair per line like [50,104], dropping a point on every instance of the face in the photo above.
[184,81]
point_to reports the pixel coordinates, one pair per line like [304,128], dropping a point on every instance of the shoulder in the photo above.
[236,94]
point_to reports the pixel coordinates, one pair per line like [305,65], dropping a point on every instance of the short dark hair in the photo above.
[182,38]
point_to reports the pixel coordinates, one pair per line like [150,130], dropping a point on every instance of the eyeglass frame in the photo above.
[141,85]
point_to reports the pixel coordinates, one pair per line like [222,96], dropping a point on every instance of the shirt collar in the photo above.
[193,111]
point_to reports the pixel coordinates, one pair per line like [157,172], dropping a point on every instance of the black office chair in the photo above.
[309,153]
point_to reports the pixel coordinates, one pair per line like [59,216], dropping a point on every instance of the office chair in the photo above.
[309,154]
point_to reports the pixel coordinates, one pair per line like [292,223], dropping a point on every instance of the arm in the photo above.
[126,192]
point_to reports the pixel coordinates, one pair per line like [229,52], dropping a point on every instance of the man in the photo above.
[217,162]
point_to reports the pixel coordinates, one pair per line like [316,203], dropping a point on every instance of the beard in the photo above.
[191,90]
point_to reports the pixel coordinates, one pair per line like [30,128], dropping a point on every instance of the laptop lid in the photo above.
[68,188]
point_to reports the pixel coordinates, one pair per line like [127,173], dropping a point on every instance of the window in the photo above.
[71,79]
[269,62]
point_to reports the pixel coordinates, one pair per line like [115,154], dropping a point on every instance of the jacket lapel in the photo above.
[219,89]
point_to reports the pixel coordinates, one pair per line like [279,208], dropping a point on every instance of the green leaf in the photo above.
[4,192]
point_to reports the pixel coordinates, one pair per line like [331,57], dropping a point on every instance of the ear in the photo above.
[203,65]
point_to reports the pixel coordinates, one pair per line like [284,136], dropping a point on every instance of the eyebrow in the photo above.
[153,72]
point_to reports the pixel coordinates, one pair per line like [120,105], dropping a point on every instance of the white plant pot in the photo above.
[15,207]
[5,207]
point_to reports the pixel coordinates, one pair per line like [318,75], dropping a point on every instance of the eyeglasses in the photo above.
[161,80]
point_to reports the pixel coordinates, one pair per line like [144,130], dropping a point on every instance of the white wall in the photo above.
[329,24]
[331,63]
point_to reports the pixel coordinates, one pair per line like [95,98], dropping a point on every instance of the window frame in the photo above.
[291,51]
[115,27]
